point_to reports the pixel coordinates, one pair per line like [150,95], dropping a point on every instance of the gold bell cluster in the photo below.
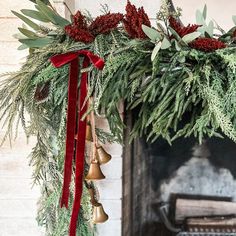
[99,156]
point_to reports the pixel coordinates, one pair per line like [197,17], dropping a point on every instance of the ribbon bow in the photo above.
[72,129]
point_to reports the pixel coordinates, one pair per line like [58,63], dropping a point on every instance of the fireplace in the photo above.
[157,174]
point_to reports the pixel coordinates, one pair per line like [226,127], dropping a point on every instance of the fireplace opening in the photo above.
[183,189]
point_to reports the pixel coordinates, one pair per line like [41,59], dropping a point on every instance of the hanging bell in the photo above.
[94,172]
[102,156]
[99,215]
[89,136]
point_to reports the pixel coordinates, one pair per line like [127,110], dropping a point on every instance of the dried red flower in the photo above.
[105,23]
[207,44]
[80,31]
[180,29]
[133,21]
[79,20]
[81,35]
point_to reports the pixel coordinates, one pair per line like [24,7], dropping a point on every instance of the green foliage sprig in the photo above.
[172,90]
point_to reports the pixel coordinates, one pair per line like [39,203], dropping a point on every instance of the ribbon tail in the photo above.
[80,149]
[70,131]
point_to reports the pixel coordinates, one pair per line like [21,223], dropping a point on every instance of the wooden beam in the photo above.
[186,208]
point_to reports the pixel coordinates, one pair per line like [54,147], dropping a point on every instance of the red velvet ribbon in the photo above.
[72,58]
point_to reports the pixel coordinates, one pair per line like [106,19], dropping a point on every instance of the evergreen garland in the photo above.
[178,86]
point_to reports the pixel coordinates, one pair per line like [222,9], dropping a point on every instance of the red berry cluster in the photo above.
[207,44]
[106,23]
[180,29]
[133,21]
[80,31]
[80,20]
[80,35]
[202,44]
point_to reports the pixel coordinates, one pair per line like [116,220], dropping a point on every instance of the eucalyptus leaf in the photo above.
[22,47]
[234,19]
[52,33]
[181,58]
[155,51]
[36,43]
[218,27]
[204,12]
[19,36]
[210,28]
[153,34]
[190,37]
[51,14]
[206,35]
[200,18]
[177,46]
[202,30]
[165,43]
[27,21]
[175,34]
[28,33]
[44,1]
[46,11]
[35,15]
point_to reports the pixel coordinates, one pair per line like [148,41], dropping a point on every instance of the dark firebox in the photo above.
[157,173]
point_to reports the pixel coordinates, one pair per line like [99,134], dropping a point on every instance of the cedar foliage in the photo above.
[182,92]
[46,121]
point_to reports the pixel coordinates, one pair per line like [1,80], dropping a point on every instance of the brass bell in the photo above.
[102,156]
[89,136]
[94,172]
[99,215]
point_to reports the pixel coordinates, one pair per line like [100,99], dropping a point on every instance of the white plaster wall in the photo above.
[18,201]
[94,6]
[110,189]
[9,56]
[220,10]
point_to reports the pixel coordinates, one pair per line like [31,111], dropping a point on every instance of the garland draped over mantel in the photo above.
[58,61]
[181,80]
